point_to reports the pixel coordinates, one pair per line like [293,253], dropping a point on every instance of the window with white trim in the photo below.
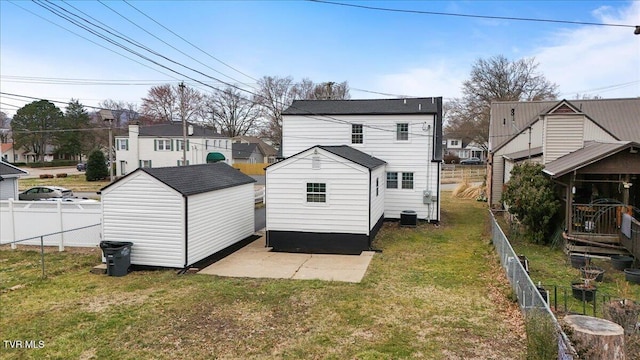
[402,132]
[407,180]
[163,145]
[357,134]
[122,144]
[316,192]
[180,162]
[180,145]
[145,163]
[392,180]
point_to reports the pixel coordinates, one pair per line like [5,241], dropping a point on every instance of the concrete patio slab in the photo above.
[257,261]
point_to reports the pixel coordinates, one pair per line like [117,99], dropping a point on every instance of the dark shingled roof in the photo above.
[619,117]
[175,129]
[520,155]
[8,169]
[242,151]
[196,179]
[354,155]
[592,152]
[358,107]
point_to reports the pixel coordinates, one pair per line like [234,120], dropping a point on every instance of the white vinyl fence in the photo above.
[20,220]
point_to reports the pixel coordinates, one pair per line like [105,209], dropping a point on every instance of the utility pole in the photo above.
[184,125]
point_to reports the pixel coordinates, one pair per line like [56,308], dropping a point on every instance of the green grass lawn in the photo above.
[551,267]
[432,293]
[73,182]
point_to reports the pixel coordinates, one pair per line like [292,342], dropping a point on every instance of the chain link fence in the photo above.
[529,297]
[73,236]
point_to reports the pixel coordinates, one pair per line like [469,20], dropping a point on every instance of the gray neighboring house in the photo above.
[246,154]
[176,216]
[9,175]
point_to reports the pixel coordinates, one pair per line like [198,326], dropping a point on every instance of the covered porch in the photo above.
[599,185]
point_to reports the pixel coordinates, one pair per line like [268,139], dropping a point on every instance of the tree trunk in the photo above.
[595,338]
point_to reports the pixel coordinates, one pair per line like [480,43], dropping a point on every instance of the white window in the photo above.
[122,144]
[180,145]
[123,167]
[392,180]
[407,180]
[206,144]
[163,145]
[180,162]
[316,192]
[402,132]
[454,142]
[357,134]
[145,163]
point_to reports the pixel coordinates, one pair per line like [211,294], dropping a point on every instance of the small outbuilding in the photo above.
[9,175]
[326,199]
[176,216]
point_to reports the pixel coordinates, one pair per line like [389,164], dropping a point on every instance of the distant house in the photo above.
[176,216]
[162,145]
[404,133]
[464,149]
[326,199]
[266,151]
[9,175]
[9,153]
[246,154]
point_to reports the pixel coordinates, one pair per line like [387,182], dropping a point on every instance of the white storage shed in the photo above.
[326,199]
[176,216]
[9,175]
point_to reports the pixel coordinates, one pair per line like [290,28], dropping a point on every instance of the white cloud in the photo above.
[595,60]
[441,79]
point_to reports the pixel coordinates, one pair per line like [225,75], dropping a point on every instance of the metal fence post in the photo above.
[42,254]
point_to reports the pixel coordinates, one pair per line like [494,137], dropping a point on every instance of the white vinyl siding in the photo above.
[519,143]
[347,184]
[149,214]
[381,131]
[563,134]
[219,219]
[377,201]
[9,188]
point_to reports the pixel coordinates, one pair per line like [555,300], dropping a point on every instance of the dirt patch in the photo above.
[101,303]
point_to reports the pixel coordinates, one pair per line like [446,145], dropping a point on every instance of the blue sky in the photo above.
[388,52]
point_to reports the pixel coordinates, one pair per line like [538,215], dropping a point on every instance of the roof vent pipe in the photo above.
[419,107]
[405,101]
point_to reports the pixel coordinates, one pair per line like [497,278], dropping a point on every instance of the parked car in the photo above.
[471,161]
[81,166]
[45,192]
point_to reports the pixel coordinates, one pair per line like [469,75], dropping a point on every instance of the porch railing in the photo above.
[600,219]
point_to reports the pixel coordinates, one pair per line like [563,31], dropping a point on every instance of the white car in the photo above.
[45,192]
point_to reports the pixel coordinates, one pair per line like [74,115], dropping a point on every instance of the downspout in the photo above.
[369,205]
[186,230]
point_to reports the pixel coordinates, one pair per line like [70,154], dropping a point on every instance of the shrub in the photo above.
[96,166]
[46,176]
[542,340]
[530,196]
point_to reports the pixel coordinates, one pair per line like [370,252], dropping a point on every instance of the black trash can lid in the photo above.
[114,244]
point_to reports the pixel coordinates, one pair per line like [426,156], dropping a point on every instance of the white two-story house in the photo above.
[404,133]
[162,145]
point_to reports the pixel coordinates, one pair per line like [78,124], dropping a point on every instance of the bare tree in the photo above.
[5,127]
[277,93]
[494,79]
[232,113]
[165,102]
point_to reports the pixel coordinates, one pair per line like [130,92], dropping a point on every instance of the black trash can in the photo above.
[118,256]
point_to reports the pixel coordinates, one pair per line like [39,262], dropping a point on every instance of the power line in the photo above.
[422,12]
[190,43]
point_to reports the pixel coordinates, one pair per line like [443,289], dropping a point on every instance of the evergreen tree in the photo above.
[96,166]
